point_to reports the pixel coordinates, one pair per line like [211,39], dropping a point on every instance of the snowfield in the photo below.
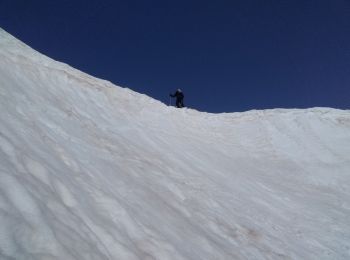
[89,170]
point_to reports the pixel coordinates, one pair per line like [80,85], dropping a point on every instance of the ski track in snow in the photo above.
[89,170]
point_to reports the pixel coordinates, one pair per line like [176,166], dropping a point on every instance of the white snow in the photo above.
[89,170]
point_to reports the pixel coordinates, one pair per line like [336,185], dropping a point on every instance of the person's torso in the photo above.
[179,94]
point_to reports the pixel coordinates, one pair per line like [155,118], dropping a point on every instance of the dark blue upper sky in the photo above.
[225,55]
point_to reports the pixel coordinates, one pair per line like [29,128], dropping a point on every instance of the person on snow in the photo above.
[179,98]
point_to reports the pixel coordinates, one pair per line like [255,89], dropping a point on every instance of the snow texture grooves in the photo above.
[89,170]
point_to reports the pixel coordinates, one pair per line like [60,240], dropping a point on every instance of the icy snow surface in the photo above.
[89,170]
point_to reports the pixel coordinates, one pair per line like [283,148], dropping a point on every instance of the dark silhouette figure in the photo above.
[179,98]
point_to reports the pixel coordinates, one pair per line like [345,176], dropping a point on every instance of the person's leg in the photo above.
[178,103]
[181,103]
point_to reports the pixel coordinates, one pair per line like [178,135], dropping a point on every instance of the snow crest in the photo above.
[89,170]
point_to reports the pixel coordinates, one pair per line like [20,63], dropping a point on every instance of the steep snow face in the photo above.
[89,170]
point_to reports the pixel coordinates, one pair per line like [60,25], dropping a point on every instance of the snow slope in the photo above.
[89,170]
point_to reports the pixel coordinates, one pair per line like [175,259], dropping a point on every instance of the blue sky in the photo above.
[226,56]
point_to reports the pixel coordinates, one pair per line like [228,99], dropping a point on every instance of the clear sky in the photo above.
[226,56]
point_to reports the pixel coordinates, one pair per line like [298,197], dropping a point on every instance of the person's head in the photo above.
[179,90]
